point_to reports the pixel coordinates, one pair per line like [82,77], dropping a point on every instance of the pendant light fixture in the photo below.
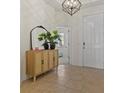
[71,6]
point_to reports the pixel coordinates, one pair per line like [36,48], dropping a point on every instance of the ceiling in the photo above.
[85,3]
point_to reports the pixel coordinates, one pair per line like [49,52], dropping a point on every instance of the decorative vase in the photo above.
[46,46]
[52,46]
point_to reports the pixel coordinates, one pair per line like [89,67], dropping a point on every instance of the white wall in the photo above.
[33,13]
[75,24]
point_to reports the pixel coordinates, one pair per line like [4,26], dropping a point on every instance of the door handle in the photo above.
[42,62]
[53,58]
[83,45]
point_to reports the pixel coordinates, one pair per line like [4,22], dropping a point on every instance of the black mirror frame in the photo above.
[33,30]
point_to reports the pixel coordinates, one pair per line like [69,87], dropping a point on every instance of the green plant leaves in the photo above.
[50,37]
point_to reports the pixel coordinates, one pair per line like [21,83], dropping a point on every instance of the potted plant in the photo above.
[52,38]
[44,37]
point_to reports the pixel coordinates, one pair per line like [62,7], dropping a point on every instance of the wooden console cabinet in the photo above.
[38,62]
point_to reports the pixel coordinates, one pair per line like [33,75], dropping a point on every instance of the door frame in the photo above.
[82,54]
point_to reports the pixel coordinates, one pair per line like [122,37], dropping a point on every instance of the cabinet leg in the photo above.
[34,78]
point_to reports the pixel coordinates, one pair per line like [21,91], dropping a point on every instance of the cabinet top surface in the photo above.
[40,50]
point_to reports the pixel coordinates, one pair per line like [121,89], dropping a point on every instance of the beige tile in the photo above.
[68,79]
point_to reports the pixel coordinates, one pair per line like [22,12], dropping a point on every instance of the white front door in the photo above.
[93,40]
[64,47]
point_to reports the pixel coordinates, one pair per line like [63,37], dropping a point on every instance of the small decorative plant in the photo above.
[52,38]
[44,37]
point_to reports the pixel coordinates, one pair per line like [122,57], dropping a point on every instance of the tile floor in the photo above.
[68,79]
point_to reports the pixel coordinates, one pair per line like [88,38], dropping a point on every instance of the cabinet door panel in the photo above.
[51,59]
[45,61]
[29,63]
[38,68]
[56,57]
